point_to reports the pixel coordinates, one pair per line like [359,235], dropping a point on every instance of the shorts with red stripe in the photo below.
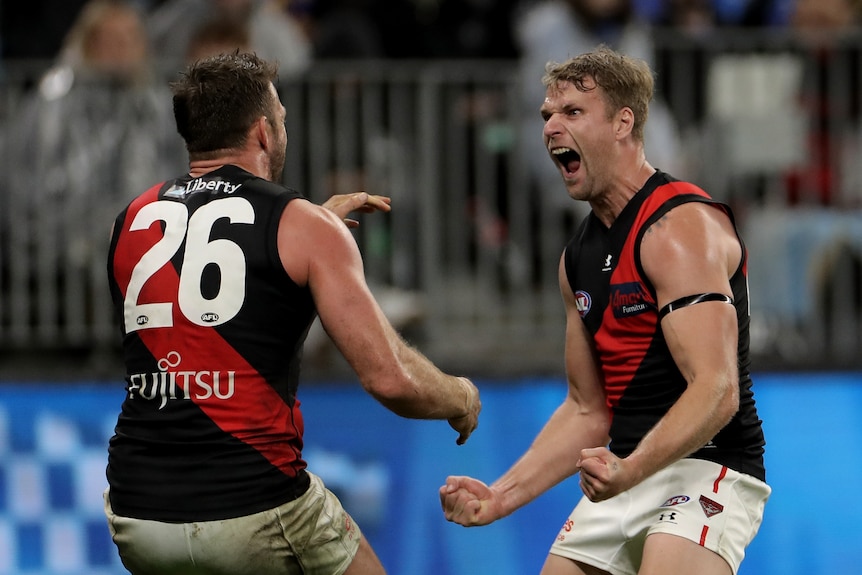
[702,501]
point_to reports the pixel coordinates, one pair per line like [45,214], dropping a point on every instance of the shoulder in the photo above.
[312,236]
[689,239]
[313,229]
[691,216]
[307,214]
[687,228]
[681,202]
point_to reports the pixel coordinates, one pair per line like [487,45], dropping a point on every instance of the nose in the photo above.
[552,126]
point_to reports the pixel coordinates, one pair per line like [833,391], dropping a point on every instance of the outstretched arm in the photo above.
[580,422]
[317,250]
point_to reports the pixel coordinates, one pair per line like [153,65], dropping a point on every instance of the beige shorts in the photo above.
[310,535]
[707,503]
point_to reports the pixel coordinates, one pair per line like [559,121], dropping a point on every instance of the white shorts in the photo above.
[703,501]
[311,535]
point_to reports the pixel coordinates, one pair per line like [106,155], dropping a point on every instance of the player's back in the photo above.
[212,331]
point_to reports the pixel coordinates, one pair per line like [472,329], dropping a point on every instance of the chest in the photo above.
[609,286]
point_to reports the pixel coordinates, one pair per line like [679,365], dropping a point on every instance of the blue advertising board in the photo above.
[387,471]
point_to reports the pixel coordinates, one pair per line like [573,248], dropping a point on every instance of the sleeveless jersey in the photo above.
[617,303]
[212,332]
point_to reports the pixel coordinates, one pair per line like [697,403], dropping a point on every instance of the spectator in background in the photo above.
[830,95]
[96,127]
[108,41]
[275,34]
[99,113]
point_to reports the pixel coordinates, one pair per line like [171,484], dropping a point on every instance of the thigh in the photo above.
[598,538]
[715,509]
[148,547]
[322,536]
[310,535]
[557,565]
[365,562]
[665,553]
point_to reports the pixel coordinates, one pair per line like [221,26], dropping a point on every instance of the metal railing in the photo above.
[467,262]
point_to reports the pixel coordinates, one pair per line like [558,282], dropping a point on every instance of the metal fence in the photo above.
[466,263]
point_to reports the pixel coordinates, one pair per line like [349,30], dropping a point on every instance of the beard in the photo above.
[276,163]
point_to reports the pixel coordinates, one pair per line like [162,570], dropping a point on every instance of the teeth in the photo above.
[558,151]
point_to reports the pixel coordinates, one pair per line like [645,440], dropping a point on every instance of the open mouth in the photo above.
[569,159]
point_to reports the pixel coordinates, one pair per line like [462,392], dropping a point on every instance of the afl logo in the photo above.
[675,500]
[583,301]
[209,317]
[142,320]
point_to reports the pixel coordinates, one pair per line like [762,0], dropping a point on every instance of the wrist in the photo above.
[469,399]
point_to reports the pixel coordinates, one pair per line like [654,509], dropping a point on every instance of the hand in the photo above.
[466,424]
[603,474]
[343,204]
[468,502]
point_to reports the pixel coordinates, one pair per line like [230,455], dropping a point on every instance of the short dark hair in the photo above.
[217,99]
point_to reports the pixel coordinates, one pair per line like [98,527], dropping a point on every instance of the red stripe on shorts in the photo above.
[703,535]
[720,477]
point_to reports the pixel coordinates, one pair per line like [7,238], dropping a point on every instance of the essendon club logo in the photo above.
[628,299]
[710,507]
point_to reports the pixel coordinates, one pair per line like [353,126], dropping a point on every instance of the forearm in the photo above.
[552,457]
[699,414]
[417,389]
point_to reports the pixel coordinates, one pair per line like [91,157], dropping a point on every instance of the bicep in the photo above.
[703,340]
[319,251]
[694,250]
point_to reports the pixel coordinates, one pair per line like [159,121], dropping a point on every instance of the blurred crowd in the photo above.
[122,43]
[298,31]
[95,121]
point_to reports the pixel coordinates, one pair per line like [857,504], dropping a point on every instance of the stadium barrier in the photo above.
[386,470]
[467,261]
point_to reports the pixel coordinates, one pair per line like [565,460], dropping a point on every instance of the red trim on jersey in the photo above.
[703,535]
[255,414]
[721,476]
[622,349]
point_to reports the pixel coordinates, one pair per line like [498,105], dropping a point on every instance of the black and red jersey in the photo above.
[618,305]
[212,332]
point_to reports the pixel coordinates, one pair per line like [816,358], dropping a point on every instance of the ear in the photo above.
[261,133]
[624,123]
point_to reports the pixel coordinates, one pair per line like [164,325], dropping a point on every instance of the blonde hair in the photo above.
[79,44]
[624,81]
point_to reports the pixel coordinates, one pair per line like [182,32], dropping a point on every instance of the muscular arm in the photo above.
[580,422]
[691,250]
[317,250]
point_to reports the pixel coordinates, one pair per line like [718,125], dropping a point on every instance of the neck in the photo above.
[256,164]
[608,207]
